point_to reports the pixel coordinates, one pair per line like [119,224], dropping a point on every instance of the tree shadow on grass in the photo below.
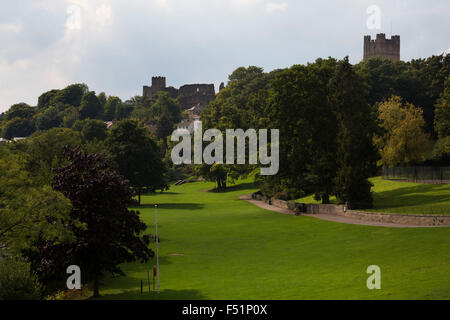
[152,295]
[170,206]
[236,187]
[159,193]
[423,195]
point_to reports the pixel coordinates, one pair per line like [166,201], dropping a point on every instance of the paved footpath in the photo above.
[331,217]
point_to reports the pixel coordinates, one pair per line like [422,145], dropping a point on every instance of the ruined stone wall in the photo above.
[191,95]
[382,47]
[196,95]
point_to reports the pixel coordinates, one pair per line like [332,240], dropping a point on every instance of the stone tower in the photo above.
[158,84]
[382,47]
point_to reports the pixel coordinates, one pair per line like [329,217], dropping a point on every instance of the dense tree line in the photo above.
[66,107]
[332,118]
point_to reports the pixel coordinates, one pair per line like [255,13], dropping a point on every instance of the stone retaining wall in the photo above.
[408,219]
[324,208]
[418,220]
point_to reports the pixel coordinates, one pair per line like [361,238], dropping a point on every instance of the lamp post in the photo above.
[157,246]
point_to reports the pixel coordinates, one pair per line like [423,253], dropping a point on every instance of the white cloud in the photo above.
[245,2]
[88,14]
[268,6]
[162,4]
[10,28]
[275,6]
[103,15]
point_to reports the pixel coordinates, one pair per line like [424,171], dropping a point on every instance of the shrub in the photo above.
[17,282]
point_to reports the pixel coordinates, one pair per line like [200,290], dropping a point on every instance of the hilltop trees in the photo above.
[18,127]
[90,106]
[111,108]
[165,104]
[136,156]
[71,95]
[164,126]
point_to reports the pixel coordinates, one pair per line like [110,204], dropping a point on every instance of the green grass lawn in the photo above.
[405,197]
[235,250]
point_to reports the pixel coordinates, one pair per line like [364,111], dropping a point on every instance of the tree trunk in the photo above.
[139,196]
[325,198]
[96,285]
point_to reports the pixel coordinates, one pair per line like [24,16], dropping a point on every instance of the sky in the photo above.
[116,46]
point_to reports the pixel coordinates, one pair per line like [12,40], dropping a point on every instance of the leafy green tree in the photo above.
[90,106]
[217,173]
[91,129]
[442,111]
[142,114]
[242,104]
[46,99]
[300,108]
[164,103]
[111,106]
[28,212]
[48,119]
[164,126]
[403,141]
[123,111]
[356,125]
[45,150]
[71,95]
[108,234]
[20,110]
[102,98]
[137,156]
[70,116]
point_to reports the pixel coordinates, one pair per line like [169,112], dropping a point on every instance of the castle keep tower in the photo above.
[382,47]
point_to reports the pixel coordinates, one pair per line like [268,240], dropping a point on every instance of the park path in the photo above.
[330,217]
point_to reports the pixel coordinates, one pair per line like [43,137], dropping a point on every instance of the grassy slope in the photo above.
[406,197]
[235,250]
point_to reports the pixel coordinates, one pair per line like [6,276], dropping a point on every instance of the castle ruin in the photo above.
[189,96]
[382,47]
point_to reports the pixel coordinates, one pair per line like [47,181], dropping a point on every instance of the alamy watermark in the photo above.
[74,280]
[214,151]
[374,281]
[374,19]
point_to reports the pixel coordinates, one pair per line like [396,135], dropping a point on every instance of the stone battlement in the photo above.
[382,47]
[189,95]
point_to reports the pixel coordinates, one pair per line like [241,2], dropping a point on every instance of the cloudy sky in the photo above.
[117,45]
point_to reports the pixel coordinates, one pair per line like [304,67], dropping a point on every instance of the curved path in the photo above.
[330,217]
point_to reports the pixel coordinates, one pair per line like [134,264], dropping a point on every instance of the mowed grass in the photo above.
[235,250]
[405,197]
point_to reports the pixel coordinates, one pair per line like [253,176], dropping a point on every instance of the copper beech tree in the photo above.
[107,233]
